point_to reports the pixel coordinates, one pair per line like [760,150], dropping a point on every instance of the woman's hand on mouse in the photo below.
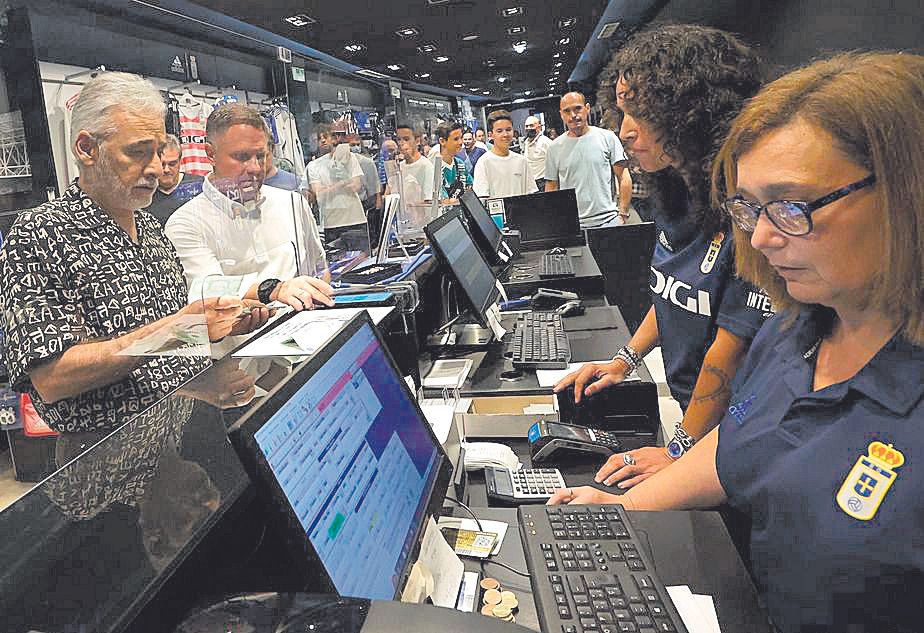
[593,378]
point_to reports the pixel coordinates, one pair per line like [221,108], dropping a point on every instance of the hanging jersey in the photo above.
[193,116]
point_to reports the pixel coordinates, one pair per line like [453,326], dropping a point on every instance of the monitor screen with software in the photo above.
[455,247]
[545,219]
[486,233]
[346,454]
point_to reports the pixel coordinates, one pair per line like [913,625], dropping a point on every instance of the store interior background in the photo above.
[48,49]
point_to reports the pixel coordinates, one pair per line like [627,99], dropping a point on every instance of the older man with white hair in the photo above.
[86,275]
[536,146]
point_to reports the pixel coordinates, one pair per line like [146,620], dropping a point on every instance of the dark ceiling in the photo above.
[441,24]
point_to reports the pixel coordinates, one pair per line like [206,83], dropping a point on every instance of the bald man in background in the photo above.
[536,146]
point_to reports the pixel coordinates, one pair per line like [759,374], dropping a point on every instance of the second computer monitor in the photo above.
[455,247]
[485,232]
[545,219]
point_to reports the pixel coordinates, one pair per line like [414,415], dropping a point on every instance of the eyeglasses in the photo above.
[792,217]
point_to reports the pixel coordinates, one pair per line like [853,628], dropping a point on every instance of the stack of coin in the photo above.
[498,603]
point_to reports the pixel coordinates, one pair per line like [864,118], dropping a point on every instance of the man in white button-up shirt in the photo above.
[537,146]
[238,226]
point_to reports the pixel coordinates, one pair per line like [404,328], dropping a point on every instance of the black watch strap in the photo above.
[265,289]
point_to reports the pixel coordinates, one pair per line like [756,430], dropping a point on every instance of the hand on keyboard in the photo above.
[584,495]
[648,460]
[593,378]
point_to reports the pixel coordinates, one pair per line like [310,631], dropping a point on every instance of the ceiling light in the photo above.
[432,2]
[509,12]
[423,75]
[519,47]
[564,41]
[607,31]
[426,49]
[490,63]
[458,85]
[474,89]
[527,92]
[354,48]
[440,59]
[394,67]
[556,55]
[469,37]
[567,23]
[516,30]
[407,32]
[558,64]
[486,92]
[300,21]
[520,100]
[551,94]
[501,79]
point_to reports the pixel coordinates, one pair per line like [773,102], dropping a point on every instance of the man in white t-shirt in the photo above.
[500,173]
[336,179]
[416,171]
[537,147]
[587,159]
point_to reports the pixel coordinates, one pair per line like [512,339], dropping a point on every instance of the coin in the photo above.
[502,612]
[488,610]
[507,597]
[512,603]
[489,583]
[492,596]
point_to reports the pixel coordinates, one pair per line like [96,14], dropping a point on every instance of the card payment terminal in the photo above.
[551,440]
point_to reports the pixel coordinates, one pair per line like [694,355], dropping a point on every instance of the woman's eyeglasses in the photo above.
[792,217]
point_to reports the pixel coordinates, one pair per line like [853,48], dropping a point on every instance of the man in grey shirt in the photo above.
[587,159]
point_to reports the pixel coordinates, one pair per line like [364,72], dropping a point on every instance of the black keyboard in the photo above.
[540,342]
[590,572]
[556,265]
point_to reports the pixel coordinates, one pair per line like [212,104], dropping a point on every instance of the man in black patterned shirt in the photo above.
[86,275]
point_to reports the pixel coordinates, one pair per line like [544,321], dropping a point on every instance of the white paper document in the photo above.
[696,611]
[304,333]
[440,416]
[443,564]
[550,377]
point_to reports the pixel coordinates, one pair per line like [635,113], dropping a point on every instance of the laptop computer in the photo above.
[347,462]
[545,219]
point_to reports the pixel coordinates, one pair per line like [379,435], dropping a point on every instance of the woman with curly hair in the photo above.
[677,89]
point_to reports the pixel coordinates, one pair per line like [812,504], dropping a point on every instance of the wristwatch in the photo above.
[680,443]
[265,289]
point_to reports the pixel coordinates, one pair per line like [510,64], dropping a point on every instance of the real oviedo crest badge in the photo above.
[869,480]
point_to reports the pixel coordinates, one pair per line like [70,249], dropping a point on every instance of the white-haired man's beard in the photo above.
[127,196]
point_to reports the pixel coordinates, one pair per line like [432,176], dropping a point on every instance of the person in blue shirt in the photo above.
[470,152]
[702,315]
[824,176]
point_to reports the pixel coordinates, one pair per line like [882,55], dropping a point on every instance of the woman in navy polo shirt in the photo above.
[678,89]
[820,444]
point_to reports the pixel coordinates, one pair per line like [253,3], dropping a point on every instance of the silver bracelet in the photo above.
[630,357]
[683,437]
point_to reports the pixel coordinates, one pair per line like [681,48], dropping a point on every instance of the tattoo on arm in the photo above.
[721,388]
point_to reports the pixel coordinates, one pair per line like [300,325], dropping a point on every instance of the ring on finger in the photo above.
[628,459]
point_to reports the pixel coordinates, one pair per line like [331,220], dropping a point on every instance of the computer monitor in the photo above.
[344,456]
[545,219]
[455,247]
[486,233]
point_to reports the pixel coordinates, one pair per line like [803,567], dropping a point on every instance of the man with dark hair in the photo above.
[275,177]
[500,172]
[236,226]
[587,159]
[456,178]
[416,171]
[336,179]
[470,152]
[174,188]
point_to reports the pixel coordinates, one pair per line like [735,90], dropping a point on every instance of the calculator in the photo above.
[527,485]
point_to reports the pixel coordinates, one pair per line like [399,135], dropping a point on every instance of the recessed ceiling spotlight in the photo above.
[300,20]
[426,49]
[470,37]
[354,48]
[527,92]
[394,67]
[509,12]
[490,63]
[558,64]
[474,89]
[519,47]
[519,100]
[407,32]
[439,59]
[423,75]
[501,79]
[551,94]
[556,55]
[486,92]
[564,41]
[567,23]
[458,85]
[516,30]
